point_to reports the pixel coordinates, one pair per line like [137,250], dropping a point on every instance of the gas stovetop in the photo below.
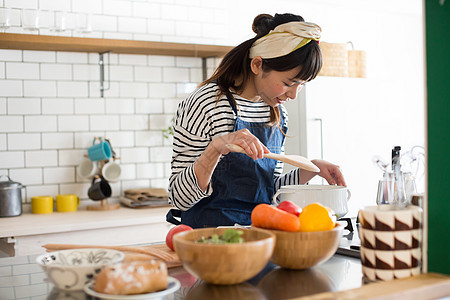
[350,243]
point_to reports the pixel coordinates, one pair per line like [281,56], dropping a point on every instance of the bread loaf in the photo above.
[130,278]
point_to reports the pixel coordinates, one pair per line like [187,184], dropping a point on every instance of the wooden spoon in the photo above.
[295,160]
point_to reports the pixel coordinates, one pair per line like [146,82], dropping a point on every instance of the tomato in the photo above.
[173,231]
[290,207]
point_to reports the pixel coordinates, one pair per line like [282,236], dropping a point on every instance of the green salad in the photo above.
[230,236]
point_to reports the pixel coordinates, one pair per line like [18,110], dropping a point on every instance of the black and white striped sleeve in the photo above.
[198,119]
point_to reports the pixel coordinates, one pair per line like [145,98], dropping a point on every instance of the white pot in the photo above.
[332,196]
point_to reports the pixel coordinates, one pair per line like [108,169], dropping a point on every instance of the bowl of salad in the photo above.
[224,255]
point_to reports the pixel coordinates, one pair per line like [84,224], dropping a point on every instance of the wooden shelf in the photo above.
[77,44]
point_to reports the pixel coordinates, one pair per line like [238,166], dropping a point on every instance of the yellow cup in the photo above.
[67,203]
[42,204]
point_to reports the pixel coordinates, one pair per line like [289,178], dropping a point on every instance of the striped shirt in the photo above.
[198,119]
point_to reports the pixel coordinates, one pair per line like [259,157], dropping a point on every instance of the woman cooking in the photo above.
[241,104]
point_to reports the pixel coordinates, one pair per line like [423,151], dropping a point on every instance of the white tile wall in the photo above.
[56,71]
[133,89]
[148,138]
[11,159]
[149,106]
[90,106]
[132,24]
[40,123]
[72,89]
[57,140]
[73,123]
[146,10]
[39,56]
[57,106]
[41,158]
[2,142]
[28,176]
[24,141]
[59,175]
[11,123]
[72,57]
[151,170]
[51,108]
[11,88]
[70,157]
[39,88]
[16,70]
[50,104]
[10,55]
[120,106]
[117,7]
[2,106]
[24,106]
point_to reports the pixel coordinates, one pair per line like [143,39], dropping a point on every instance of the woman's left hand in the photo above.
[330,172]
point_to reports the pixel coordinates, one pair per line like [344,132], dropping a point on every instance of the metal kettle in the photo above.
[10,198]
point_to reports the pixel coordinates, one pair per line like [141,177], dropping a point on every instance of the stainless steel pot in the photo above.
[10,198]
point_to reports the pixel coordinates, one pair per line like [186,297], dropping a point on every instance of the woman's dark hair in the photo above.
[236,63]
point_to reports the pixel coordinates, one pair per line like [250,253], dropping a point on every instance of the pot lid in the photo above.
[8,183]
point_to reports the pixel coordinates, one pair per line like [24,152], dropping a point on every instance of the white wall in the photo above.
[50,107]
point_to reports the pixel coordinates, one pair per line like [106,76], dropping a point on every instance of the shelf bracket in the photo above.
[101,63]
[204,68]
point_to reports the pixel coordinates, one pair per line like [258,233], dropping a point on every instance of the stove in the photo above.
[350,242]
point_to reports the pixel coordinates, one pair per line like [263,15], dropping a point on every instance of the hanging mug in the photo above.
[87,168]
[111,171]
[100,189]
[100,151]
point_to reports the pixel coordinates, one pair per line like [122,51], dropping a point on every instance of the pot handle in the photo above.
[9,179]
[349,194]
[24,187]
[280,191]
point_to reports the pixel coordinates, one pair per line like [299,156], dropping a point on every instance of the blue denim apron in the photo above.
[239,183]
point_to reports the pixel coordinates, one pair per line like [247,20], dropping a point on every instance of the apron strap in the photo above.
[172,214]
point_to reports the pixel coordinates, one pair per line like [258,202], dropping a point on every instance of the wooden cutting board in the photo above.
[132,253]
[423,286]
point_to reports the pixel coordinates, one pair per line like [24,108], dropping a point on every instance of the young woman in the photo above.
[241,104]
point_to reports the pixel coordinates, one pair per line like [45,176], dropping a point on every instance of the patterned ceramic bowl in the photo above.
[391,260]
[72,269]
[390,218]
[379,274]
[390,240]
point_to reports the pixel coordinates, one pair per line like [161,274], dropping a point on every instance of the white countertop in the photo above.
[30,224]
[27,233]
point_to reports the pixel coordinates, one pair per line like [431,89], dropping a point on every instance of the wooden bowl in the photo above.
[282,283]
[224,263]
[302,250]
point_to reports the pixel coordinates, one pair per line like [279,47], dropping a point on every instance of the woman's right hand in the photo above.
[242,138]
[207,162]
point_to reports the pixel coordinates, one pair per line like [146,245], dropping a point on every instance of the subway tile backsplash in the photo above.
[50,103]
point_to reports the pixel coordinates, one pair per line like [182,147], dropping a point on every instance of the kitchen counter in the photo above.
[338,278]
[25,234]
[21,277]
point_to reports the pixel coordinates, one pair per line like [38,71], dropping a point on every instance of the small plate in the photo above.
[172,285]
